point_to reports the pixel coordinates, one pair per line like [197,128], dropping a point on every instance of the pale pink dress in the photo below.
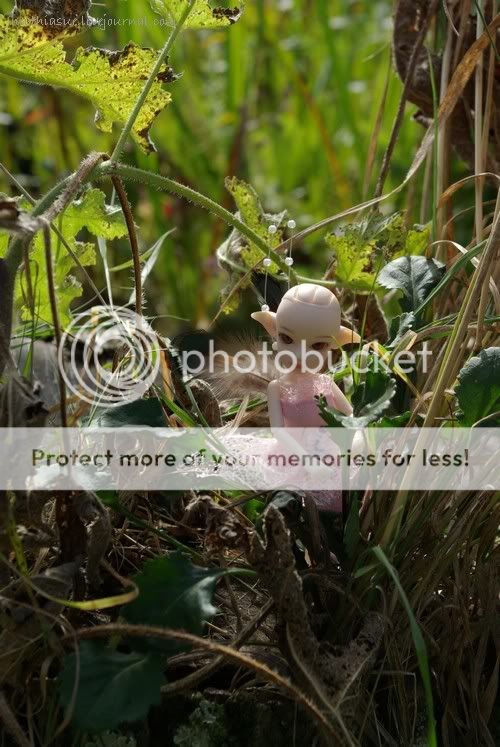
[300,410]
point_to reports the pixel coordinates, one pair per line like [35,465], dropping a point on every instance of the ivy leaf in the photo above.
[173,593]
[112,81]
[202,16]
[113,687]
[478,390]
[415,276]
[376,385]
[141,412]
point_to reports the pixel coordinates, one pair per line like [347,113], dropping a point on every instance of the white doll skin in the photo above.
[307,319]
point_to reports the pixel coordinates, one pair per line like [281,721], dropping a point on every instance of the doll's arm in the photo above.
[274,405]
[339,401]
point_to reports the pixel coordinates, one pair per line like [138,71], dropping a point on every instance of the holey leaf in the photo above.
[251,212]
[112,687]
[202,16]
[360,249]
[112,81]
[173,593]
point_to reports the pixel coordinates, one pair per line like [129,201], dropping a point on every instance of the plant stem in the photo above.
[130,173]
[55,317]
[149,83]
[134,246]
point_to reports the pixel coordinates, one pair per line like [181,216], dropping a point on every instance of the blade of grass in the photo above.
[420,647]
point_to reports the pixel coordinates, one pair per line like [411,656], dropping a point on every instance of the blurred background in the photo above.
[297,98]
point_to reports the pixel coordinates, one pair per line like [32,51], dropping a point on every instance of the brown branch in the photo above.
[134,246]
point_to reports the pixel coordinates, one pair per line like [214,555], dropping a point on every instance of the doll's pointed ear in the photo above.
[268,321]
[346,337]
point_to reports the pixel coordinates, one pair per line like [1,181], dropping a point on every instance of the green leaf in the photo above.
[478,390]
[173,593]
[370,399]
[361,248]
[67,287]
[351,531]
[354,260]
[393,421]
[141,412]
[113,687]
[90,212]
[399,326]
[202,16]
[112,81]
[251,212]
[414,276]
[376,384]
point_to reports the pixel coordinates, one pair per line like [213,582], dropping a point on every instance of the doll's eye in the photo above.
[285,338]
[319,346]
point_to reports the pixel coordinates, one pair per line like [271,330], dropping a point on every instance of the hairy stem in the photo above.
[130,173]
[149,83]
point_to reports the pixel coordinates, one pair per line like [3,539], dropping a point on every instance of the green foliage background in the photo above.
[286,99]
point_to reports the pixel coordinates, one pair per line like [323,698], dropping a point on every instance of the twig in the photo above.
[195,678]
[229,653]
[404,97]
[134,246]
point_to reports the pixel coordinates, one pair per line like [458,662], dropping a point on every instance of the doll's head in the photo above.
[307,318]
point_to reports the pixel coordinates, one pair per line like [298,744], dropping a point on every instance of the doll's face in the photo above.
[304,327]
[307,323]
